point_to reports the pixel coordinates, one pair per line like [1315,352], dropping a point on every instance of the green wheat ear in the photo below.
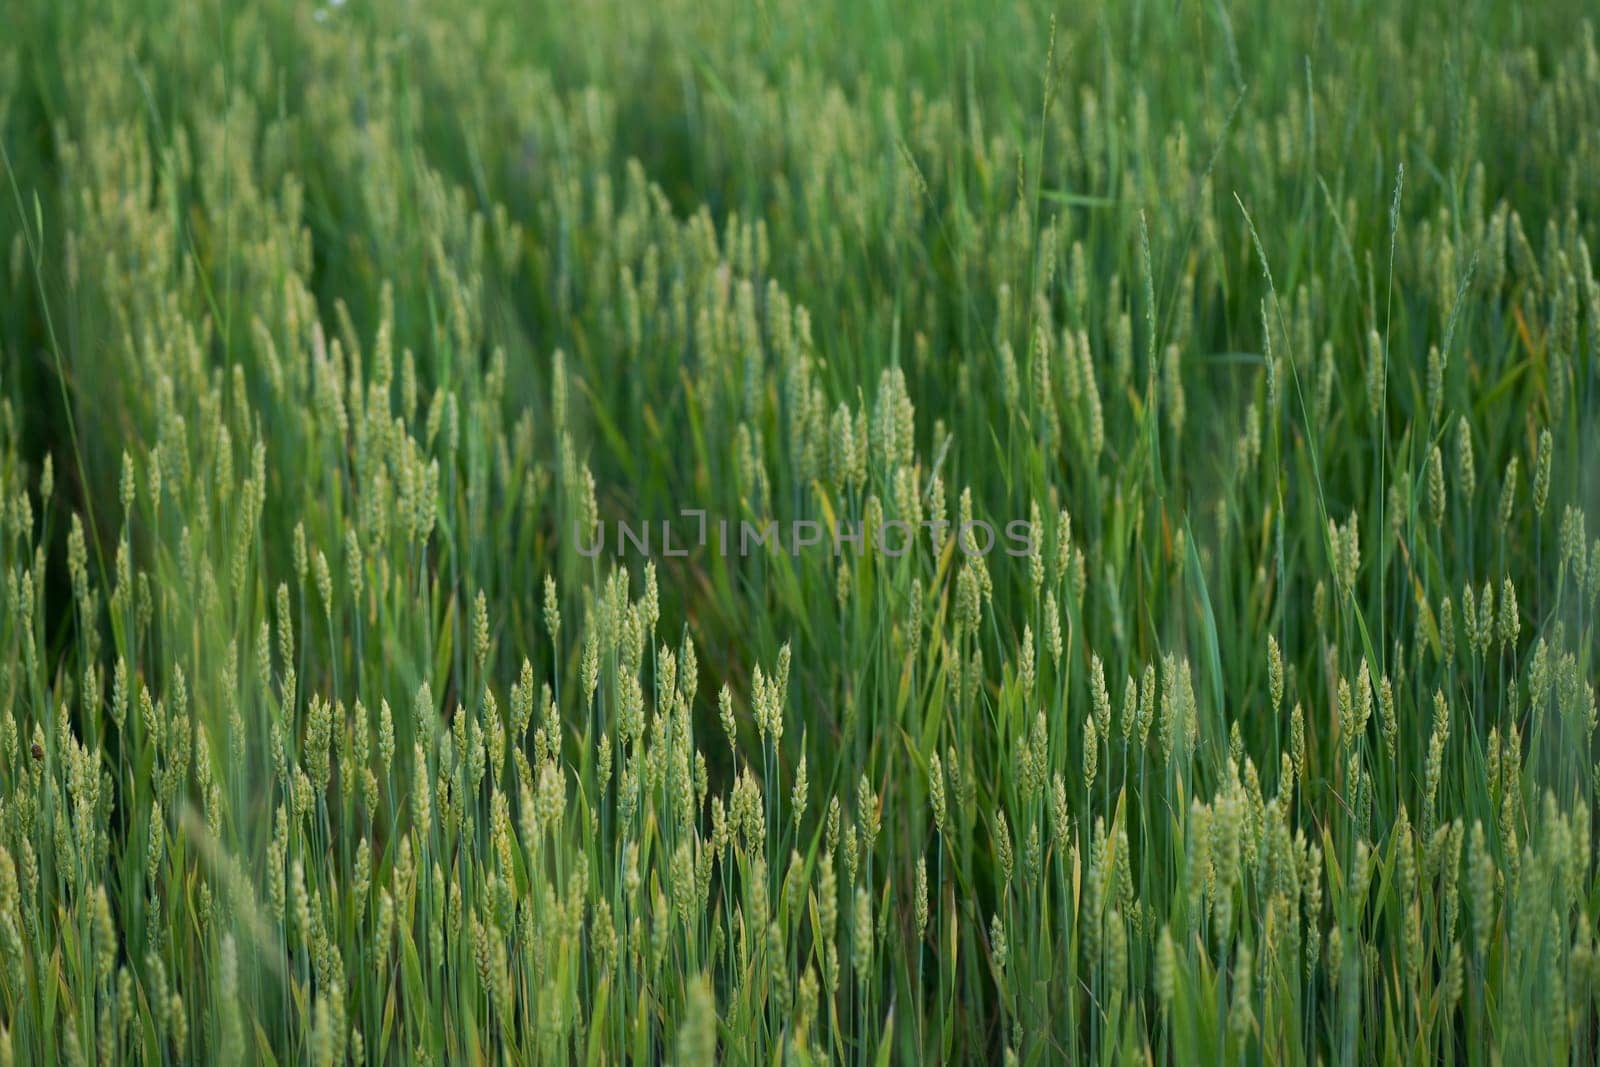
[353,731]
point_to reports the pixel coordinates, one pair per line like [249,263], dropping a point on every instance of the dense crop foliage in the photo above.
[334,340]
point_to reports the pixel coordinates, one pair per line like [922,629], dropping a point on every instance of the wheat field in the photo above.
[842,531]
